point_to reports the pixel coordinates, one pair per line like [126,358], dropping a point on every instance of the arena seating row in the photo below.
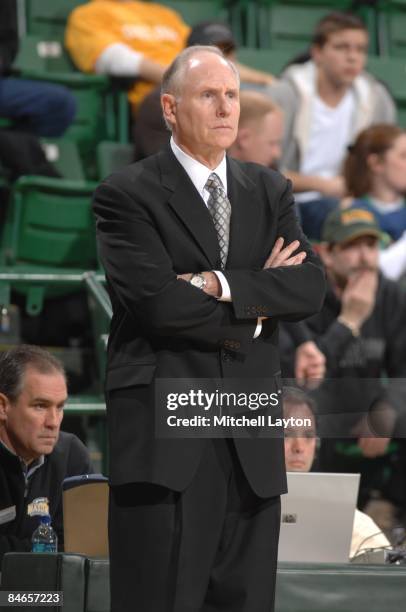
[276,24]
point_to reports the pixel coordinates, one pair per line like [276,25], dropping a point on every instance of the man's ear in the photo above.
[315,53]
[243,137]
[324,252]
[4,406]
[168,103]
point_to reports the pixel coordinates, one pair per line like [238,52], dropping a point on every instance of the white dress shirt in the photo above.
[199,174]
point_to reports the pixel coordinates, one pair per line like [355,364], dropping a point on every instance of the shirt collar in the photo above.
[27,470]
[197,172]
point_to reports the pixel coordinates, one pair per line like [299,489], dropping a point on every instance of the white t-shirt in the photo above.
[392,260]
[330,134]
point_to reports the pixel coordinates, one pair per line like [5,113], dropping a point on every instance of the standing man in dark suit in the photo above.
[203,256]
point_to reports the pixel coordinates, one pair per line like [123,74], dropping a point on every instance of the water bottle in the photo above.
[44,538]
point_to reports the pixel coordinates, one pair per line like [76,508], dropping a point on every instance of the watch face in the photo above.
[198,281]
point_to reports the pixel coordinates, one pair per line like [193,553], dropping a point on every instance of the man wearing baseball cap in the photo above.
[361,330]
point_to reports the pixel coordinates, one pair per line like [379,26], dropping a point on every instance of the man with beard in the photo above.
[361,331]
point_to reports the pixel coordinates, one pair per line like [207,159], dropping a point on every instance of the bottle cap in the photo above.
[45,519]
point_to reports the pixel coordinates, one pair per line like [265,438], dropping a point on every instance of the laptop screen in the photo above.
[317,516]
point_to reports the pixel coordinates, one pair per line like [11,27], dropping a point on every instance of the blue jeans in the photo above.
[36,106]
[312,215]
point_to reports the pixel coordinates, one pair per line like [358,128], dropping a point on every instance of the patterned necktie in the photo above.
[220,209]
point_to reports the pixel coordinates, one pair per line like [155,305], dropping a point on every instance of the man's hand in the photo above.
[373,447]
[358,297]
[370,444]
[284,256]
[310,365]
[333,187]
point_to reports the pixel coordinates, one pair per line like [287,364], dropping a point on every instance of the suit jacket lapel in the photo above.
[188,205]
[245,215]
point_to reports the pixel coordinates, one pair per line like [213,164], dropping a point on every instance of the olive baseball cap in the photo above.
[348,224]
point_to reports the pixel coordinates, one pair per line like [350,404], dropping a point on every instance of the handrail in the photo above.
[41,277]
[93,283]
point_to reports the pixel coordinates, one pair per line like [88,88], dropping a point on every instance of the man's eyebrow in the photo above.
[47,400]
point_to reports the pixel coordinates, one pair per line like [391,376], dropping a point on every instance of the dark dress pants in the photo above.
[212,547]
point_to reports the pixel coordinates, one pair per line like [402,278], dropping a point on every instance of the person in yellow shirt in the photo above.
[125,38]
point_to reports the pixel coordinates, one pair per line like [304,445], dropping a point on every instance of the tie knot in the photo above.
[213,182]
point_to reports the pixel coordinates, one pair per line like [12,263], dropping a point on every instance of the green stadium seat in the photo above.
[268,60]
[289,24]
[47,18]
[392,72]
[392,27]
[197,10]
[64,155]
[111,156]
[49,229]
[103,109]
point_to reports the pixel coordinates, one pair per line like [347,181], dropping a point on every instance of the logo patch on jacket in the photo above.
[38,507]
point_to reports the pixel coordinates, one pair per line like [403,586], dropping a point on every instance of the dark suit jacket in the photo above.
[152,225]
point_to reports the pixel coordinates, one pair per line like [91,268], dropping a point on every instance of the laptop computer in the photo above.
[317,517]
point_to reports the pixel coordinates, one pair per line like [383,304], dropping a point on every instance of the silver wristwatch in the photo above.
[198,281]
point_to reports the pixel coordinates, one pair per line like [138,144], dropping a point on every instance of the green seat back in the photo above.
[47,18]
[289,24]
[392,32]
[89,124]
[50,224]
[291,27]
[268,60]
[64,155]
[43,53]
[197,10]
[111,156]
[45,59]
[102,112]
[392,71]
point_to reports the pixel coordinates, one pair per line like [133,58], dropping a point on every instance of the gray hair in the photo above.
[14,363]
[172,79]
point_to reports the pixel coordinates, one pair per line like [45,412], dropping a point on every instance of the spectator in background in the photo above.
[126,38]
[35,456]
[300,452]
[150,132]
[326,102]
[300,442]
[361,330]
[260,130]
[375,175]
[42,108]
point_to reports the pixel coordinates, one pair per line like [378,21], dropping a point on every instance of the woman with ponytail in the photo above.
[375,175]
